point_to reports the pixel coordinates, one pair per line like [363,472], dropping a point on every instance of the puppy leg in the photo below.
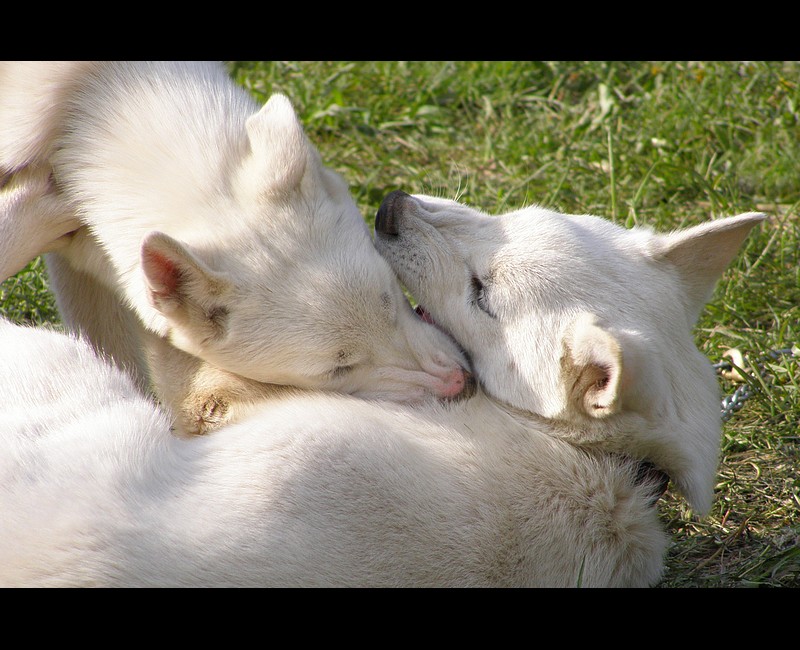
[200,396]
[92,309]
[33,219]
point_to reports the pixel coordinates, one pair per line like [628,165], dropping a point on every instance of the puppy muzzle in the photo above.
[388,215]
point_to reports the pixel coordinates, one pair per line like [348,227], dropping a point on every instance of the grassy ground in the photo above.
[667,144]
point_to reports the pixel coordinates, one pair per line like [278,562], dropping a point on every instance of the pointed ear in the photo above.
[703,252]
[278,148]
[175,278]
[591,369]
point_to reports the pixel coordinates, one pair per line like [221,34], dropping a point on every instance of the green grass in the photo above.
[667,144]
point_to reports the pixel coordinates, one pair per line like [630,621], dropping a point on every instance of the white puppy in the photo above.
[318,489]
[314,489]
[577,321]
[244,260]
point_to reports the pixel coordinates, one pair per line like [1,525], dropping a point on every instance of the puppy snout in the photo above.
[462,386]
[387,217]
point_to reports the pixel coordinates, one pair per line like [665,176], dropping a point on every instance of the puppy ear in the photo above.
[703,252]
[278,148]
[175,278]
[591,369]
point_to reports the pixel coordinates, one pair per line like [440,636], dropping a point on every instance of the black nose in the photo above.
[386,217]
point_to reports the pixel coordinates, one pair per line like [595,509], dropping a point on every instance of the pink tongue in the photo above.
[424,315]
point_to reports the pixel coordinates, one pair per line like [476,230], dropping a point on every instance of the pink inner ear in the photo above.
[162,273]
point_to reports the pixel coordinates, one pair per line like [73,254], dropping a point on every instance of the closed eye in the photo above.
[339,371]
[480,297]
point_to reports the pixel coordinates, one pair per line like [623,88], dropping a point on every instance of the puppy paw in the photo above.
[206,416]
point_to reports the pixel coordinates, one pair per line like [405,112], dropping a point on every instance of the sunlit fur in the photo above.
[310,489]
[316,489]
[581,321]
[211,226]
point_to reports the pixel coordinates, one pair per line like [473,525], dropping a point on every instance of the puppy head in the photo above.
[577,320]
[295,293]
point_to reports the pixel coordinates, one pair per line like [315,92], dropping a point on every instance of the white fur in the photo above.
[216,223]
[312,490]
[27,199]
[579,321]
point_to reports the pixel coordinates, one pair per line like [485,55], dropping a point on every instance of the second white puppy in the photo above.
[243,258]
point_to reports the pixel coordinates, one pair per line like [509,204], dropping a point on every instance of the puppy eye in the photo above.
[338,371]
[479,296]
